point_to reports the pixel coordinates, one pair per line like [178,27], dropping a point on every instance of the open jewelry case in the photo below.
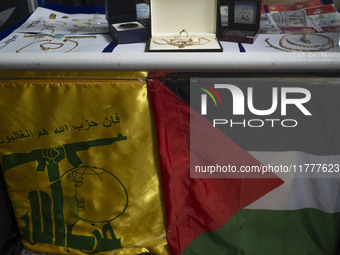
[183,25]
[123,24]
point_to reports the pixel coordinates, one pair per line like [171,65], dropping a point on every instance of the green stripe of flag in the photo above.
[269,232]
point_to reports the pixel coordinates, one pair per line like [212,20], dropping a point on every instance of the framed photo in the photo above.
[243,21]
[245,12]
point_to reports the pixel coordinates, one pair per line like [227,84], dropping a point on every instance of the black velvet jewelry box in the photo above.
[243,21]
[123,24]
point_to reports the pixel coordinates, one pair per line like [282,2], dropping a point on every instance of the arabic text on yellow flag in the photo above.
[80,162]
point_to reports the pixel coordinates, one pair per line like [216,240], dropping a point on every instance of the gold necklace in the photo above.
[285,42]
[273,46]
[18,51]
[183,40]
[44,47]
[329,43]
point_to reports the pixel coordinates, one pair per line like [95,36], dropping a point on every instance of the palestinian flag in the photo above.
[277,213]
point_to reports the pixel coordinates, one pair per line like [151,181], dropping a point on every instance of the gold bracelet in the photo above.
[46,24]
[79,25]
[43,47]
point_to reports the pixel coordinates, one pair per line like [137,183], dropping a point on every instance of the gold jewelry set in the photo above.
[183,40]
[58,45]
[52,24]
[286,44]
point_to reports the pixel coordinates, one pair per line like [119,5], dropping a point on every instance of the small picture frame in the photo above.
[243,21]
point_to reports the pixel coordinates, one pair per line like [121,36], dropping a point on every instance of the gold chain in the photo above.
[285,42]
[61,36]
[273,46]
[304,39]
[44,47]
[18,51]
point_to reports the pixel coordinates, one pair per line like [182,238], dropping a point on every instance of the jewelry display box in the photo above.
[243,21]
[123,24]
[183,25]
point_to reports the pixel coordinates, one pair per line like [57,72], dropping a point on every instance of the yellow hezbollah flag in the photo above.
[80,162]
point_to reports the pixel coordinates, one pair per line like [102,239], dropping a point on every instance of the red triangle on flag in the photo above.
[197,205]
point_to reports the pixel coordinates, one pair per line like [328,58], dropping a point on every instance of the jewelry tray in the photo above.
[183,25]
